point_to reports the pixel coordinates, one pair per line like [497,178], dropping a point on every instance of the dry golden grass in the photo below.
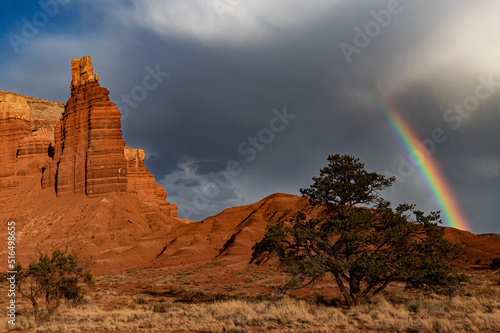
[109,309]
[437,314]
[476,313]
[230,316]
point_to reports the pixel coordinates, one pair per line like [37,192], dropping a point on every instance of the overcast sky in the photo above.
[233,100]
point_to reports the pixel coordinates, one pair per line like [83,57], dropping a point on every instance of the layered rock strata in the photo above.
[90,155]
[26,133]
[139,180]
[14,126]
[89,149]
[75,148]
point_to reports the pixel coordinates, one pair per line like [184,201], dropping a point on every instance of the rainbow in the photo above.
[426,166]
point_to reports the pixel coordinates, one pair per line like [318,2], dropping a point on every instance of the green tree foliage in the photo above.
[359,240]
[53,278]
[495,263]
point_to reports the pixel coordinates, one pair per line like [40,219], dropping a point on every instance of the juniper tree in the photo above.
[358,239]
[51,279]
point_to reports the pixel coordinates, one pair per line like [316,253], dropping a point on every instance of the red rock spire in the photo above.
[90,156]
[89,149]
[82,71]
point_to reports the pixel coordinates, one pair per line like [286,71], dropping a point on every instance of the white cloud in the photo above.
[466,42]
[226,20]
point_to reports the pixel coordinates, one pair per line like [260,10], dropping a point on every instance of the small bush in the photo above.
[481,290]
[164,306]
[160,307]
[327,301]
[141,300]
[495,263]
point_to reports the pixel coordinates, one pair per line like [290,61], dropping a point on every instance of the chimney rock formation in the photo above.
[75,150]
[89,149]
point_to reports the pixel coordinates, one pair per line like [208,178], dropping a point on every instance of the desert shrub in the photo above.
[165,306]
[495,263]
[53,278]
[141,300]
[160,307]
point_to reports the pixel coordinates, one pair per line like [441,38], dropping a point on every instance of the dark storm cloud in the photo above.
[230,71]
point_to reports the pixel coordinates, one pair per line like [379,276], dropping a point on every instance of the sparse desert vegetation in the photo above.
[432,314]
[495,263]
[113,306]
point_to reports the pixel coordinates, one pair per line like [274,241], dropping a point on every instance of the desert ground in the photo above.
[230,297]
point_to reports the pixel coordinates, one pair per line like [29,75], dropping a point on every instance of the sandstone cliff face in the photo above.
[88,156]
[74,148]
[139,180]
[14,106]
[64,177]
[14,126]
[26,134]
